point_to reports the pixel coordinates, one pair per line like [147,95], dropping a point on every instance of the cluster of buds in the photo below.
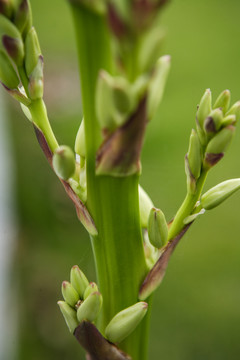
[21,61]
[215,130]
[83,302]
[123,110]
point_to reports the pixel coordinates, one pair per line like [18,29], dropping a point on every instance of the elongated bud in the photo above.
[195,155]
[14,49]
[78,280]
[90,308]
[80,145]
[69,293]
[235,110]
[157,84]
[69,315]
[223,101]
[221,140]
[157,228]
[204,108]
[22,17]
[35,86]
[6,8]
[145,206]
[191,181]
[91,288]
[125,322]
[219,193]
[64,162]
[33,51]
[213,122]
[8,75]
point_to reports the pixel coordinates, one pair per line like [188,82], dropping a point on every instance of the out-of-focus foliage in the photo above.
[196,310]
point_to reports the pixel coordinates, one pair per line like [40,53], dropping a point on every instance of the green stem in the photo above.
[113,202]
[186,207]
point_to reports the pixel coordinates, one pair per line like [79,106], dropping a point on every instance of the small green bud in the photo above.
[223,101]
[204,108]
[219,193]
[229,120]
[69,315]
[8,75]
[145,206]
[69,293]
[220,142]
[33,51]
[90,308]
[23,15]
[78,280]
[213,122]
[235,110]
[123,98]
[157,84]
[80,145]
[125,322]
[157,228]
[195,155]
[64,162]
[14,49]
[91,288]
[35,86]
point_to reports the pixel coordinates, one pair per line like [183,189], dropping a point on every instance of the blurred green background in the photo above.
[196,312]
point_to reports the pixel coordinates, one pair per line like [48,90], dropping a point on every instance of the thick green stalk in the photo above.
[186,208]
[113,202]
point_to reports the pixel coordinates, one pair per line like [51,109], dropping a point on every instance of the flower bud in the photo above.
[157,84]
[219,143]
[35,86]
[80,145]
[229,120]
[69,315]
[78,280]
[235,110]
[69,293]
[223,101]
[204,108]
[33,51]
[6,8]
[64,162]
[213,122]
[157,228]
[216,195]
[90,308]
[23,16]
[8,75]
[125,322]
[145,206]
[123,98]
[194,155]
[91,288]
[14,49]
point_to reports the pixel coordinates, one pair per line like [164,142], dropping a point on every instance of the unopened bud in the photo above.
[235,110]
[223,101]
[69,315]
[23,16]
[125,322]
[80,145]
[64,162]
[157,84]
[33,51]
[78,280]
[90,308]
[229,120]
[35,86]
[195,155]
[123,98]
[157,228]
[91,288]
[6,8]
[145,206]
[219,193]
[204,108]
[8,75]
[213,122]
[69,293]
